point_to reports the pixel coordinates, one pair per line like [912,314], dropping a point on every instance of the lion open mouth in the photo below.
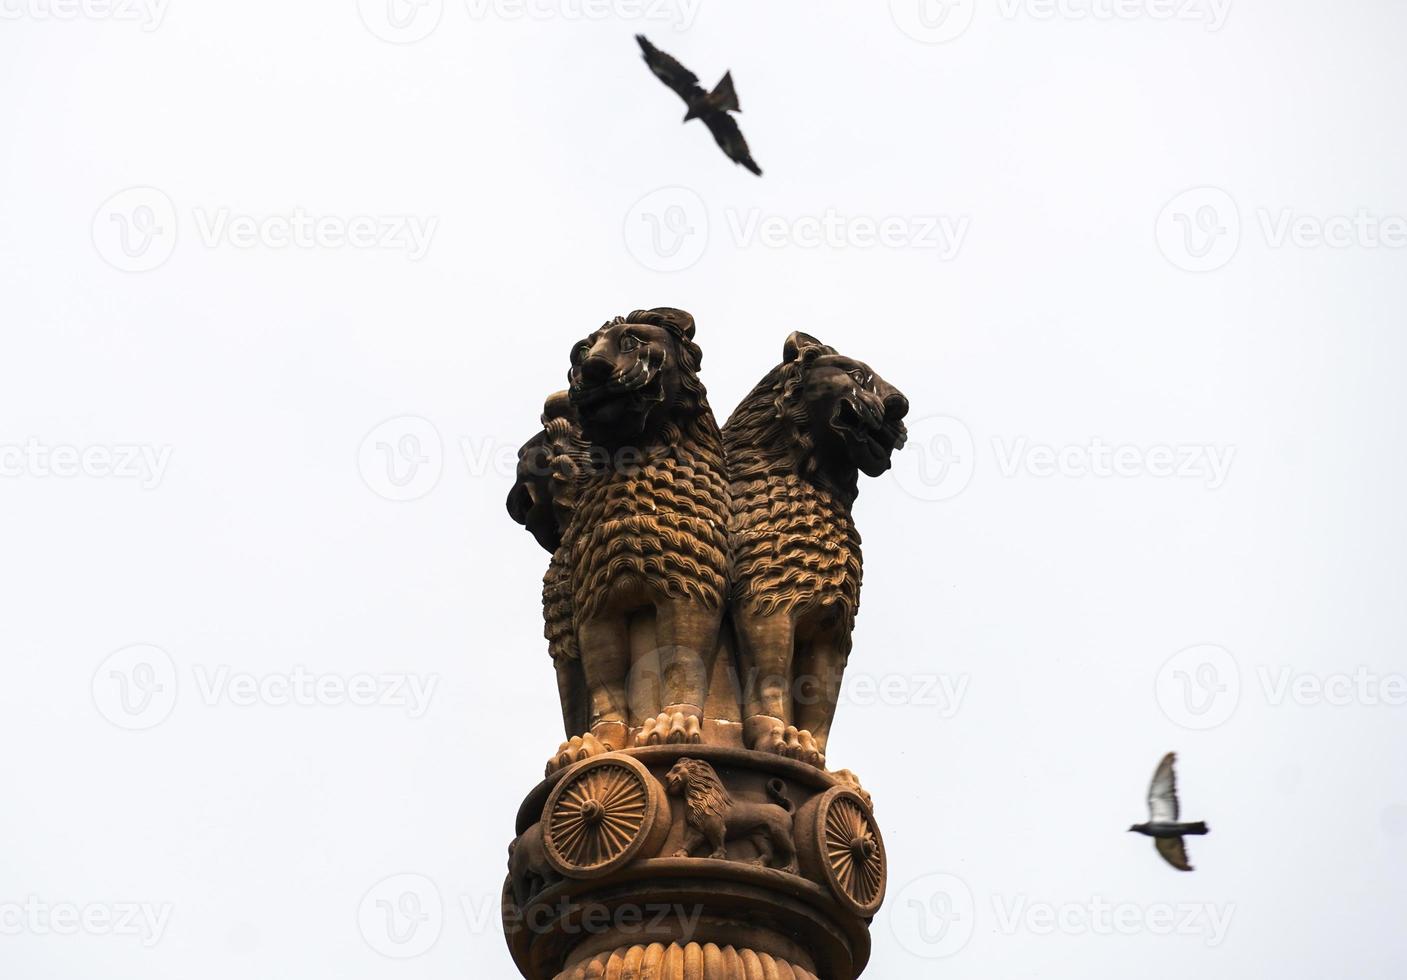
[868,439]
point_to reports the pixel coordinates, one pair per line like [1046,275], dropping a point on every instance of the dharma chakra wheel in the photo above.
[845,848]
[601,815]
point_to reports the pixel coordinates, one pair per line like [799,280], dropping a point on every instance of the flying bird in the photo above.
[1163,825]
[712,107]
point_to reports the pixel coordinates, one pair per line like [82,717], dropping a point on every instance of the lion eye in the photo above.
[581,352]
[859,377]
[628,343]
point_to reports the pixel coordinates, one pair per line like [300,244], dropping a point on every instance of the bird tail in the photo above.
[1195,828]
[723,95]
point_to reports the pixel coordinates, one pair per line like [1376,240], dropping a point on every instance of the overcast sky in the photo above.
[284,286]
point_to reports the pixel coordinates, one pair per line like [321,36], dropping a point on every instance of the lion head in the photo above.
[634,382]
[549,467]
[820,414]
[704,793]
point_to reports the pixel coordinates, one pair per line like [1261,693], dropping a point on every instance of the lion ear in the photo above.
[680,321]
[801,345]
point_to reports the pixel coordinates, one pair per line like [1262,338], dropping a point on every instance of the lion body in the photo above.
[795,550]
[659,529]
[794,448]
[712,817]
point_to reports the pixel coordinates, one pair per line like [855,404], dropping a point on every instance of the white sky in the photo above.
[1035,302]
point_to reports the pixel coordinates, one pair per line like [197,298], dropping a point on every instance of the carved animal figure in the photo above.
[551,465]
[647,545]
[712,817]
[795,448]
[528,869]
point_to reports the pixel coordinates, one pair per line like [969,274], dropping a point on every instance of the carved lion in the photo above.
[529,871]
[647,546]
[551,466]
[795,448]
[712,817]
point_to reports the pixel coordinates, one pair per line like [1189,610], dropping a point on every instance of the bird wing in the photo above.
[1173,852]
[684,82]
[1162,792]
[728,136]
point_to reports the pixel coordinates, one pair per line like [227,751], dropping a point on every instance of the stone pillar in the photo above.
[693,861]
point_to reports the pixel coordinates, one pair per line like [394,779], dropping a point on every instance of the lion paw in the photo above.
[671,728]
[793,743]
[574,750]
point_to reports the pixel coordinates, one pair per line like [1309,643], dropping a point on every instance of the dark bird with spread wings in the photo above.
[1163,811]
[712,107]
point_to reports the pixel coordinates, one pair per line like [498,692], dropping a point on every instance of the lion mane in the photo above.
[662,517]
[704,794]
[792,538]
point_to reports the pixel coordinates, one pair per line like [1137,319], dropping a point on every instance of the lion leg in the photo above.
[785,850]
[765,660]
[571,692]
[717,833]
[762,841]
[692,840]
[688,642]
[604,642]
[822,664]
